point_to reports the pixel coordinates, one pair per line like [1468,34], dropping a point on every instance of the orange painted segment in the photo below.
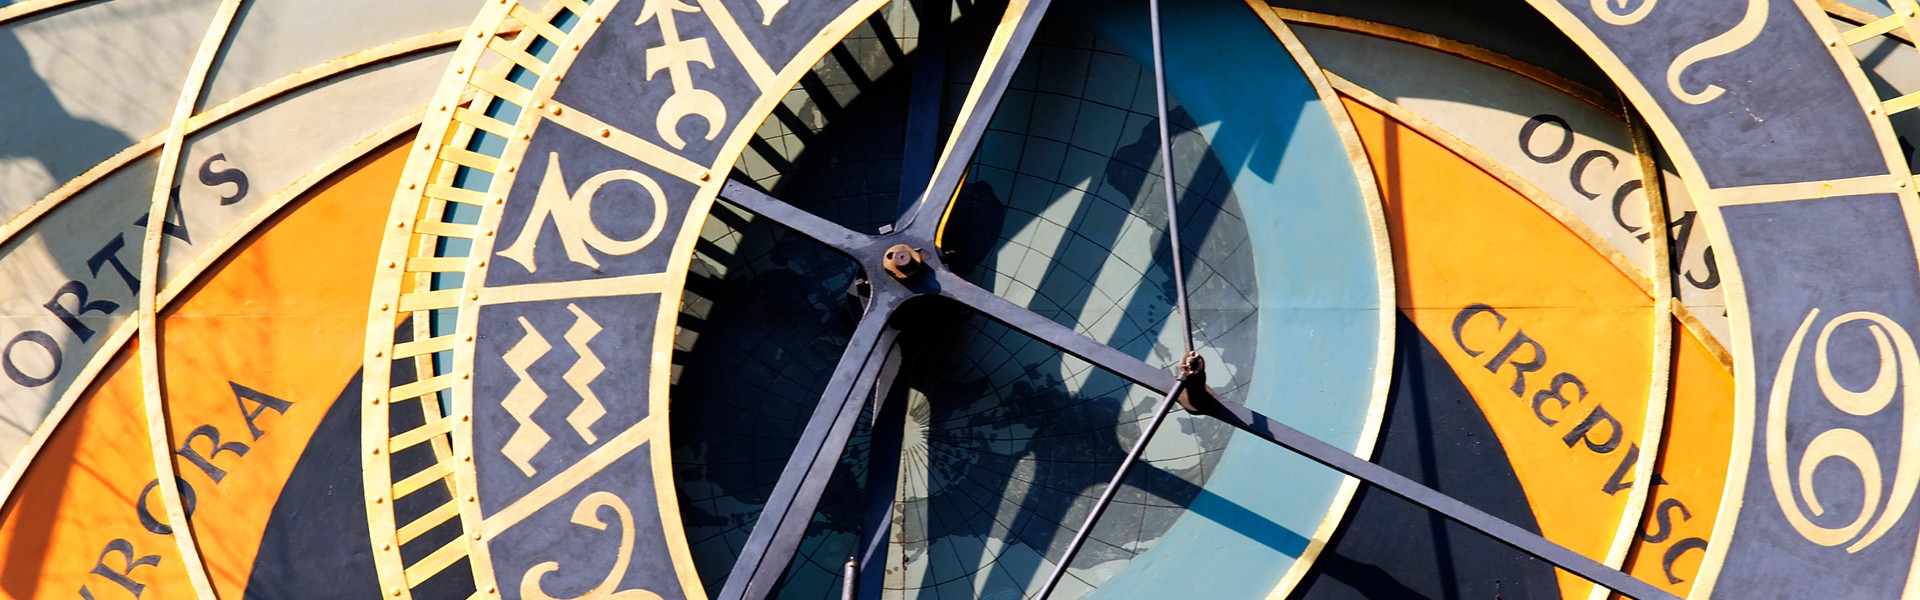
[1554,343]
[283,316]
[74,511]
[1697,446]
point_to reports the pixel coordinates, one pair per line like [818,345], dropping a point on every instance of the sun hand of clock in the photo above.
[1246,419]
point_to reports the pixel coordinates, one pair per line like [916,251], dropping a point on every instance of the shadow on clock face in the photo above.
[1007,441]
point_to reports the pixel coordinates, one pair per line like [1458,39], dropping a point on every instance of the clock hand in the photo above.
[855,245]
[1004,52]
[991,305]
[883,471]
[924,101]
[790,507]
[1241,417]
[1388,481]
[1106,496]
[1166,180]
[946,284]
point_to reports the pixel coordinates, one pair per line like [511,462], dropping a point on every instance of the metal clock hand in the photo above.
[1004,51]
[794,499]
[774,540]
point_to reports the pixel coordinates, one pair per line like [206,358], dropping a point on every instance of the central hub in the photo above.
[903,262]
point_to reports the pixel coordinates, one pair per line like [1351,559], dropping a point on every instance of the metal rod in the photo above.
[849,579]
[1106,496]
[1166,177]
[776,536]
[1390,482]
[883,469]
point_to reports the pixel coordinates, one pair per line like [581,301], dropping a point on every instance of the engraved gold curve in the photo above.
[1742,34]
[587,514]
[1899,366]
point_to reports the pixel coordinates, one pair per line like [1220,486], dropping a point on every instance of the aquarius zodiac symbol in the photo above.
[572,214]
[587,514]
[526,396]
[1899,376]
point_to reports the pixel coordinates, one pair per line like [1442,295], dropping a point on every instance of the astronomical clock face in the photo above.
[693,299]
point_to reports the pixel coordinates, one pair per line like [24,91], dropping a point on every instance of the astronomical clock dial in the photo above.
[869,298]
[181,181]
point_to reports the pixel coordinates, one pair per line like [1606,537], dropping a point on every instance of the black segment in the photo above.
[1435,434]
[316,543]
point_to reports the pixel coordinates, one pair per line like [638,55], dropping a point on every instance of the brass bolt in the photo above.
[902,261]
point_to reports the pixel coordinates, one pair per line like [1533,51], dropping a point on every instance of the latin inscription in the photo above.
[1560,402]
[35,358]
[213,454]
[1548,139]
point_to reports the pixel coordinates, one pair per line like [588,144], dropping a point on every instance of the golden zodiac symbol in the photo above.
[526,396]
[1607,14]
[1899,368]
[587,514]
[1743,33]
[675,56]
[768,7]
[572,215]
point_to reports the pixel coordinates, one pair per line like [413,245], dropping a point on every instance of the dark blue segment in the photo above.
[1838,255]
[586,556]
[621,210]
[313,546]
[791,26]
[1435,434]
[1787,115]
[625,79]
[623,346]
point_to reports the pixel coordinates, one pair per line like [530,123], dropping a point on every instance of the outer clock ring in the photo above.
[1767,292]
[1752,349]
[400,577]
